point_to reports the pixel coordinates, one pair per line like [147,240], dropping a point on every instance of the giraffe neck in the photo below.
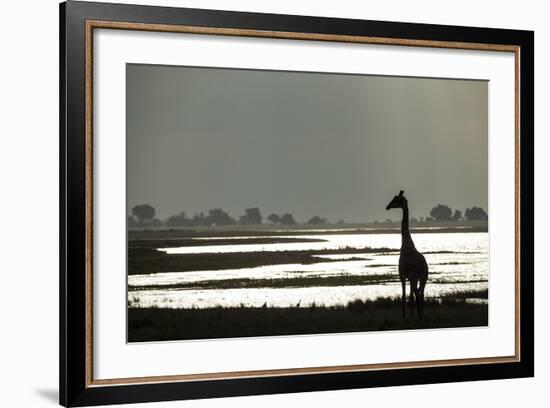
[406,239]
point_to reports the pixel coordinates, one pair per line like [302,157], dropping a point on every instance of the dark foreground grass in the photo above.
[154,324]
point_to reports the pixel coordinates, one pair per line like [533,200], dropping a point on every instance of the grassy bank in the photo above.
[145,259]
[294,282]
[153,324]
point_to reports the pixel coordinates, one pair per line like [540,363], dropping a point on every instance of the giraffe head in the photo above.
[399,201]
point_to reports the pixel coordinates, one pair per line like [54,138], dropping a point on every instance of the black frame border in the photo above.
[72,124]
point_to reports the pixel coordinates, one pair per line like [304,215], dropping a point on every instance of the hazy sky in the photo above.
[337,146]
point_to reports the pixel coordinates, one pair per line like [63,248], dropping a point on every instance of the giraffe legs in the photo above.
[421,299]
[413,295]
[403,296]
[416,295]
[419,302]
[411,300]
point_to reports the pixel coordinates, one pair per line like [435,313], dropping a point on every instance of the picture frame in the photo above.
[79,21]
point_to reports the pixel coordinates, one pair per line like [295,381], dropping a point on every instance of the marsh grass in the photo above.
[295,282]
[153,324]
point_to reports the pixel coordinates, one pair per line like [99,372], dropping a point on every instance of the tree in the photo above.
[441,212]
[198,220]
[287,219]
[251,216]
[143,212]
[217,216]
[274,219]
[476,214]
[132,222]
[154,223]
[316,220]
[457,216]
[178,220]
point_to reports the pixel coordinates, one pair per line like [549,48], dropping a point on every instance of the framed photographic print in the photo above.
[256,203]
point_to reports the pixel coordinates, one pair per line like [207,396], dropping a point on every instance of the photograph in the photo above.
[268,203]
[257,203]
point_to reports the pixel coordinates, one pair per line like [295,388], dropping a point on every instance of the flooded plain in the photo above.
[366,269]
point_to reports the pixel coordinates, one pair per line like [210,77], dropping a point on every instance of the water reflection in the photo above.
[279,297]
[458,262]
[456,242]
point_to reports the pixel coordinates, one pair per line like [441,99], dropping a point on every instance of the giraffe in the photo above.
[412,264]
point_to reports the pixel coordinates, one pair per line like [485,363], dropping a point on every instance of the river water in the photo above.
[458,261]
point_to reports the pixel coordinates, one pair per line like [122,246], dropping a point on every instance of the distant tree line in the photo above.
[444,213]
[144,216]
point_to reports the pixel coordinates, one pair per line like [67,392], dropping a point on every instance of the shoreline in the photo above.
[266,231]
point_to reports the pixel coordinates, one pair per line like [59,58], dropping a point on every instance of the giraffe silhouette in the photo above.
[412,264]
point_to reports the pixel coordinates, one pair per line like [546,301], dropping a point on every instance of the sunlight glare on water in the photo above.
[457,262]
[424,242]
